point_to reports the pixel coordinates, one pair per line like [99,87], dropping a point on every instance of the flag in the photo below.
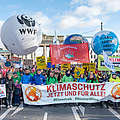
[108,63]
[62,54]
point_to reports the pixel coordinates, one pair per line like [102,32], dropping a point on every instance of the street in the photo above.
[61,112]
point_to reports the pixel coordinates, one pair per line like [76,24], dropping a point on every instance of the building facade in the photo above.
[46,41]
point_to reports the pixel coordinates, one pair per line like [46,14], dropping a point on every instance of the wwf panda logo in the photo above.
[23,19]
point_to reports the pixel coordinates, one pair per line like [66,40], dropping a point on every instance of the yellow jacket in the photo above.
[114,80]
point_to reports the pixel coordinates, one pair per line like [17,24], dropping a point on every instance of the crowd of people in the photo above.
[15,77]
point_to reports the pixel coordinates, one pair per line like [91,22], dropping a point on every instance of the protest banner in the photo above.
[78,71]
[7,64]
[15,60]
[108,63]
[2,91]
[41,62]
[114,59]
[62,54]
[89,66]
[28,62]
[72,92]
[65,67]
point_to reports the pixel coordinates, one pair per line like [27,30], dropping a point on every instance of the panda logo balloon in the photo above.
[21,34]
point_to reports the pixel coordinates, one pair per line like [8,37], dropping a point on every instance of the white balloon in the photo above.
[21,34]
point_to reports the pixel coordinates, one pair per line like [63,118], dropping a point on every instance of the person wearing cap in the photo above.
[114,78]
[51,79]
[38,78]
[26,78]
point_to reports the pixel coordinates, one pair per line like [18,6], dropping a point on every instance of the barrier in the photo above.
[72,92]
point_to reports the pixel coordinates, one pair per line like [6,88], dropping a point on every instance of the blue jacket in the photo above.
[26,79]
[39,79]
[81,80]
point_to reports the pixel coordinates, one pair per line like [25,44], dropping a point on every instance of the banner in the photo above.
[41,62]
[65,67]
[72,92]
[78,71]
[108,63]
[28,62]
[62,54]
[114,59]
[89,66]
[2,91]
[15,60]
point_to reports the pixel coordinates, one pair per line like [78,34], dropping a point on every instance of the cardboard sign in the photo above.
[65,67]
[89,67]
[78,71]
[28,62]
[40,62]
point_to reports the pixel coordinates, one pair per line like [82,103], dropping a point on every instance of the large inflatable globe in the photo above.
[21,35]
[75,39]
[105,41]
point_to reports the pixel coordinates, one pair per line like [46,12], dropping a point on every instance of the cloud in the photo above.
[72,22]
[73,2]
[85,11]
[106,5]
[1,44]
[44,21]
[88,13]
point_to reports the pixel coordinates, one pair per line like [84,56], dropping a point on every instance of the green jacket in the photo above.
[114,80]
[52,80]
[15,79]
[67,79]
[92,81]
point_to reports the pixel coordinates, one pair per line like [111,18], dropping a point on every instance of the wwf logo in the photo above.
[23,19]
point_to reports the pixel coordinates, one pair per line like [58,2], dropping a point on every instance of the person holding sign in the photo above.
[67,77]
[51,79]
[39,79]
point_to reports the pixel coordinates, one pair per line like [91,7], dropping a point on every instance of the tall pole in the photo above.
[101,26]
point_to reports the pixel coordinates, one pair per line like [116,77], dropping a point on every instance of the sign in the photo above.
[71,92]
[65,67]
[15,60]
[114,59]
[108,63]
[2,59]
[28,62]
[89,66]
[78,71]
[40,62]
[2,91]
[48,62]
[7,64]
[62,54]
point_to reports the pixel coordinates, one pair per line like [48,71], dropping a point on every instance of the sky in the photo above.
[66,16]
